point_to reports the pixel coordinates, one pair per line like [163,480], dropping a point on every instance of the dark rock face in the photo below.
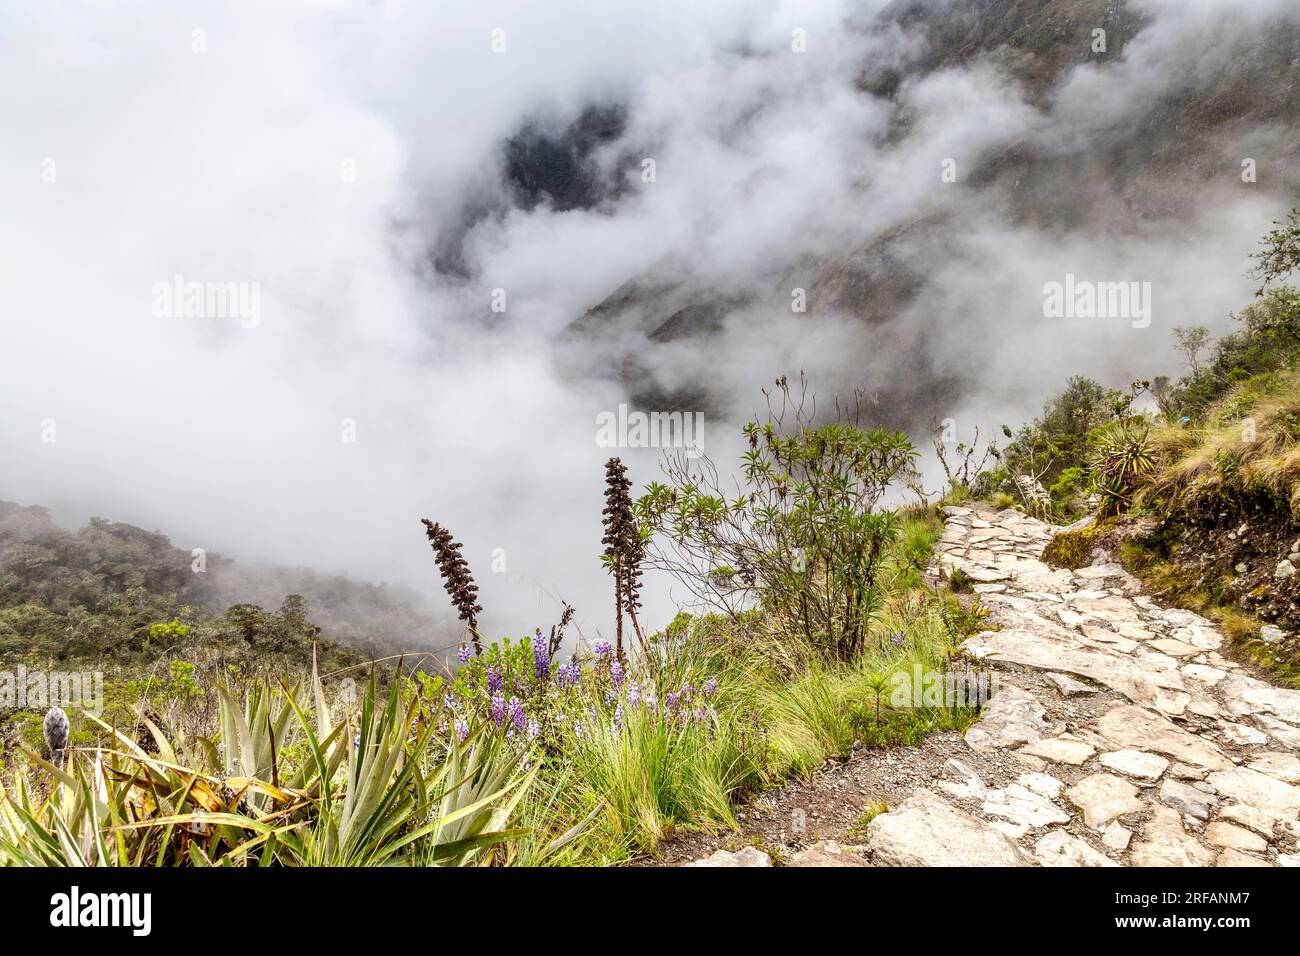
[1244,550]
[559,167]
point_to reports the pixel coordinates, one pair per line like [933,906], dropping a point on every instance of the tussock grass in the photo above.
[1250,442]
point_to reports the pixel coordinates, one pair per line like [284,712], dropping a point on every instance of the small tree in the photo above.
[803,536]
[1281,253]
[1191,342]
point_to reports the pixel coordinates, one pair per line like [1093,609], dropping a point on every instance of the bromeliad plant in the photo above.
[804,536]
[1125,456]
[286,783]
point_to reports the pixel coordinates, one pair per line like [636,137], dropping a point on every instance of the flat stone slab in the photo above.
[1229,836]
[1258,790]
[1103,797]
[1059,848]
[1069,750]
[749,856]
[1187,799]
[1279,766]
[828,853]
[1141,729]
[1165,842]
[926,830]
[1012,717]
[1134,763]
[1120,672]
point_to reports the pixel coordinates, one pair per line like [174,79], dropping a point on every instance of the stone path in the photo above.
[1135,741]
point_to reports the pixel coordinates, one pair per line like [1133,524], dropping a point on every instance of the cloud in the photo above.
[332,154]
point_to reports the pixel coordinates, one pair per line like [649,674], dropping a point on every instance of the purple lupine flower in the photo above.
[442,728]
[616,673]
[493,680]
[541,659]
[450,702]
[633,694]
[711,686]
[898,639]
[611,695]
[356,741]
[517,713]
[602,647]
[568,674]
[498,708]
[671,701]
[701,713]
[618,717]
[533,729]
[462,729]
[463,654]
[577,729]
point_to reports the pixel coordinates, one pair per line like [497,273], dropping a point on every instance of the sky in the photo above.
[342,165]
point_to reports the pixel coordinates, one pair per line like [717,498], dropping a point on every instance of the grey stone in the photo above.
[1013,717]
[1271,634]
[1187,799]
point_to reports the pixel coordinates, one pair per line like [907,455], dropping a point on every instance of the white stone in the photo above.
[1116,836]
[1103,797]
[1257,820]
[927,831]
[1059,848]
[1023,807]
[1043,784]
[1258,790]
[1013,717]
[1061,749]
[1135,763]
[1237,858]
[1204,674]
[1279,766]
[749,856]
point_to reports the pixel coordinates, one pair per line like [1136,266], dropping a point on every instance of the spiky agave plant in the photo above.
[456,578]
[624,551]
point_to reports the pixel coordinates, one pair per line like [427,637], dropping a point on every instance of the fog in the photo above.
[350,160]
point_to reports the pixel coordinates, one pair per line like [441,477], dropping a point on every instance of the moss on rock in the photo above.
[1074,549]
